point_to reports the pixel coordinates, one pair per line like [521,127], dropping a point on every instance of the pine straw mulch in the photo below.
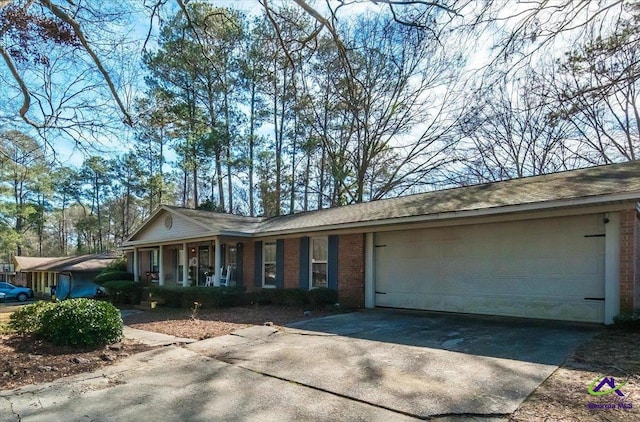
[204,324]
[564,395]
[27,360]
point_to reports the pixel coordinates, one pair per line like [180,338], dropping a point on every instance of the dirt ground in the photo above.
[26,360]
[212,323]
[564,396]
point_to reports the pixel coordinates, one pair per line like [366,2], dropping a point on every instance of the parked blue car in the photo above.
[15,292]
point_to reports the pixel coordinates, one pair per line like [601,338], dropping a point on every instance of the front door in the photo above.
[203,264]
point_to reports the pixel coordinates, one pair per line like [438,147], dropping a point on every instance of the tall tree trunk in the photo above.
[227,142]
[252,123]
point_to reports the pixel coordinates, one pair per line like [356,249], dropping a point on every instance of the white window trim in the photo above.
[326,239]
[264,262]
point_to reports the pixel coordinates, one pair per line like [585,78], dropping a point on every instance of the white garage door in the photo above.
[546,268]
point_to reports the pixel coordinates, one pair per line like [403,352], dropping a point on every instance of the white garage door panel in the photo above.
[539,268]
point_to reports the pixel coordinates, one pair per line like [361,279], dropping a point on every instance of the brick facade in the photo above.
[351,270]
[292,263]
[628,262]
[350,267]
[248,265]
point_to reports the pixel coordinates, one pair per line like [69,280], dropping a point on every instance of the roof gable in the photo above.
[174,223]
[167,224]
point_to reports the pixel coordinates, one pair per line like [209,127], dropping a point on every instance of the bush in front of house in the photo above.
[209,298]
[113,275]
[321,297]
[81,323]
[628,319]
[27,320]
[223,297]
[124,291]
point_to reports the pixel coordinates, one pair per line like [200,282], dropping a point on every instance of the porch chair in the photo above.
[226,279]
[208,281]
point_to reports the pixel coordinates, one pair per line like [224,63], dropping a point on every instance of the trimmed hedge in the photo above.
[124,291]
[81,323]
[209,298]
[222,297]
[113,275]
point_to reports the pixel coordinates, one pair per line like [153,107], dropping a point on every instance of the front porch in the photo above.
[207,262]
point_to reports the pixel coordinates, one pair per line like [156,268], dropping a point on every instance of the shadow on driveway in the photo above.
[528,340]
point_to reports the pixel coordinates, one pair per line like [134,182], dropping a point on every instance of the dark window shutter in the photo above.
[332,265]
[257,279]
[280,263]
[239,265]
[304,263]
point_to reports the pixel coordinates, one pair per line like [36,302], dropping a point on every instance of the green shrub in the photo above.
[119,264]
[26,320]
[124,291]
[113,275]
[321,297]
[209,298]
[81,323]
[628,319]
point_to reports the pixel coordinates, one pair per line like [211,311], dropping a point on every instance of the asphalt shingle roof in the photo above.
[598,183]
[94,262]
[576,184]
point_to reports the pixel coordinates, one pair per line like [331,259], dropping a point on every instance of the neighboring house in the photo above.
[560,246]
[41,273]
[8,272]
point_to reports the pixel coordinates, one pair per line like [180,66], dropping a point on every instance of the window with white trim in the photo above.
[269,264]
[319,251]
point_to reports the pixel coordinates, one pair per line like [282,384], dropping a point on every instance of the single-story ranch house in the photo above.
[559,246]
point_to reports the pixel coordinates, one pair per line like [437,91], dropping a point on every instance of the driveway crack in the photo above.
[336,394]
[14,412]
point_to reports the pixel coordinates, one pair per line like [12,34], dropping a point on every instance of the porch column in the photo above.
[161,266]
[185,265]
[136,272]
[217,262]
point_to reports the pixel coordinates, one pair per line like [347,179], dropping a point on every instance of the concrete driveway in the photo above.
[374,365]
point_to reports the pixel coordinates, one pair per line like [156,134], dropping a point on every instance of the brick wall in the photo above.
[628,262]
[248,265]
[351,269]
[292,263]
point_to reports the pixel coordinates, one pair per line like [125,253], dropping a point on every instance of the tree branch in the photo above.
[62,15]
[26,95]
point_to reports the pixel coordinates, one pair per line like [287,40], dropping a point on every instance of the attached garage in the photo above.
[552,268]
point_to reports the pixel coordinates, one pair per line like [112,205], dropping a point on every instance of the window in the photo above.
[232,262]
[319,257]
[269,264]
[155,260]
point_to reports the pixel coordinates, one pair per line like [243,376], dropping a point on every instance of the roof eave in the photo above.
[454,215]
